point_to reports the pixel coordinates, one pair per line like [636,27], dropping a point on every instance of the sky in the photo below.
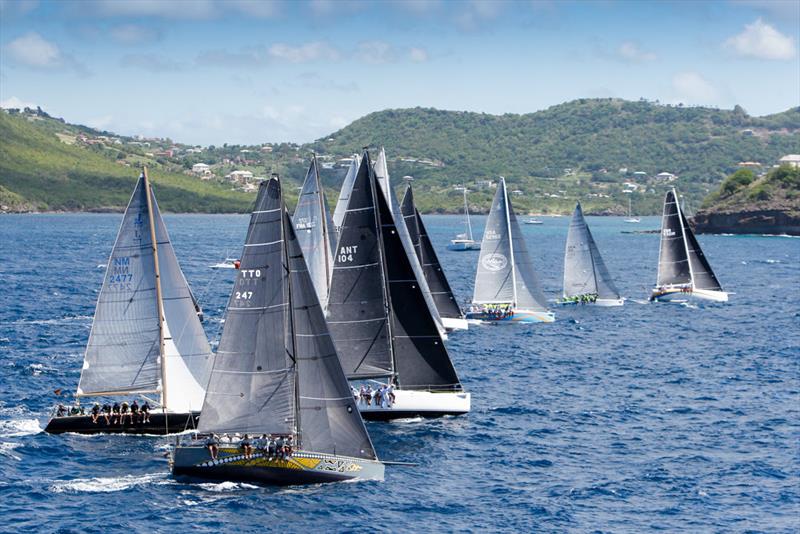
[246,72]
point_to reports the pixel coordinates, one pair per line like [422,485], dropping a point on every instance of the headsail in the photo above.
[313,226]
[434,274]
[122,355]
[358,316]
[585,271]
[673,260]
[703,276]
[529,294]
[344,193]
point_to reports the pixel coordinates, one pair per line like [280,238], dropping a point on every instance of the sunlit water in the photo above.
[643,417]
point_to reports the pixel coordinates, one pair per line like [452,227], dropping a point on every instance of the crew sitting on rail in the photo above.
[107,412]
[212,443]
[145,409]
[95,412]
[246,446]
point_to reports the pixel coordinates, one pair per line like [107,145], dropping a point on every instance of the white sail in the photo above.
[344,193]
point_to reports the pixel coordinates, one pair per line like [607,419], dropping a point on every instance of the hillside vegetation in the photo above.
[39,171]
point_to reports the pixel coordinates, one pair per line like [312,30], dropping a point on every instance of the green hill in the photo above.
[594,138]
[43,168]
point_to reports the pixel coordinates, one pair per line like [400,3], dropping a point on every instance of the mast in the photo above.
[466,212]
[510,243]
[159,300]
[290,300]
[683,234]
[384,269]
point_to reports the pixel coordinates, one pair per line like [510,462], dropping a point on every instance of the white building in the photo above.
[666,177]
[201,169]
[240,176]
[790,159]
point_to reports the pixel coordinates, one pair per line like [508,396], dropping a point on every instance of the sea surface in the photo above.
[646,417]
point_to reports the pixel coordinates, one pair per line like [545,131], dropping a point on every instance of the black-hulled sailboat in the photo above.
[683,269]
[379,319]
[146,337]
[506,286]
[586,277]
[314,228]
[443,297]
[276,372]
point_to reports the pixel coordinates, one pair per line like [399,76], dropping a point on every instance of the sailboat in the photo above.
[314,229]
[586,278]
[464,241]
[506,286]
[379,319]
[683,269]
[344,192]
[276,373]
[146,336]
[631,218]
[449,310]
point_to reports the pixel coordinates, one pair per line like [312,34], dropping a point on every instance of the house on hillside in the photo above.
[666,177]
[242,177]
[517,193]
[749,165]
[790,159]
[201,169]
[484,184]
[639,175]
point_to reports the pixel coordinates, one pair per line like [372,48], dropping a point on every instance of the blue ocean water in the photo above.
[646,417]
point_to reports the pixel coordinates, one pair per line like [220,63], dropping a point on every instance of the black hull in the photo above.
[159,424]
[257,475]
[388,415]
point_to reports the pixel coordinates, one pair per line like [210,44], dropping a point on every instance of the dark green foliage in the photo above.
[779,189]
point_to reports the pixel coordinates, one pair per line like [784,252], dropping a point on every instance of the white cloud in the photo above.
[375,52]
[131,34]
[151,62]
[630,51]
[692,88]
[762,41]
[33,50]
[14,102]
[418,55]
[304,53]
[180,9]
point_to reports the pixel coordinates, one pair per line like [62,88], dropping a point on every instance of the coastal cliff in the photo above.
[746,204]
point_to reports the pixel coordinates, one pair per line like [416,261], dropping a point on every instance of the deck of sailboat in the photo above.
[302,467]
[418,403]
[684,294]
[159,424]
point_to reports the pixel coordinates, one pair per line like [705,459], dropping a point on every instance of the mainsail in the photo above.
[505,270]
[313,226]
[673,259]
[276,370]
[377,309]
[434,274]
[124,351]
[585,271]
[344,192]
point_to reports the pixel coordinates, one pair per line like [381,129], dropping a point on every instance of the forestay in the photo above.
[313,226]
[585,271]
[673,261]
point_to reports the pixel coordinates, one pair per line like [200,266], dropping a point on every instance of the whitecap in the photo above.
[7,449]
[19,427]
[225,486]
[108,484]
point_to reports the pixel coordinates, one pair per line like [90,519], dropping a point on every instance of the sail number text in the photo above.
[346,253]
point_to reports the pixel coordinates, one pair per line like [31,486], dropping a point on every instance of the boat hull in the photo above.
[683,295]
[452,323]
[520,316]
[301,468]
[410,403]
[602,303]
[463,246]
[159,424]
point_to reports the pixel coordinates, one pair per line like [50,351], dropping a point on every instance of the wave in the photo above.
[13,428]
[108,484]
[225,486]
[7,449]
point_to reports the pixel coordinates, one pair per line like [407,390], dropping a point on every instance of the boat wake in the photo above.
[13,428]
[108,484]
[227,486]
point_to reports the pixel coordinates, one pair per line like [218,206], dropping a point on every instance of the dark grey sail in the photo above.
[673,261]
[585,271]
[344,193]
[122,355]
[434,274]
[358,316]
[527,289]
[494,280]
[703,276]
[252,385]
[421,359]
[314,229]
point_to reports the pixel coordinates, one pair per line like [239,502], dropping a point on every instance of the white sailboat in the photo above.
[506,286]
[631,218]
[276,375]
[465,241]
[378,316]
[146,336]
[683,269]
[586,278]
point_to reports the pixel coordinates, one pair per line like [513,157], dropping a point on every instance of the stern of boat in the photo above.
[412,403]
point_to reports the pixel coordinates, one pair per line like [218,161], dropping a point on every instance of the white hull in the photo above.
[451,323]
[411,403]
[461,246]
[677,295]
[607,303]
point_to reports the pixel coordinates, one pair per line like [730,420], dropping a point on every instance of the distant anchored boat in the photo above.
[277,385]
[506,286]
[146,337]
[586,278]
[631,218]
[465,241]
[534,221]
[683,269]
[228,263]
